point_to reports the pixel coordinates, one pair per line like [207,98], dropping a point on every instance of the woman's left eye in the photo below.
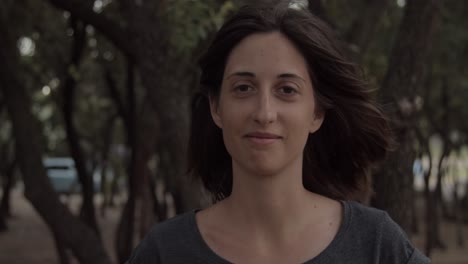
[243,88]
[287,90]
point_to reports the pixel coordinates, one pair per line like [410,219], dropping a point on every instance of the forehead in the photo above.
[266,53]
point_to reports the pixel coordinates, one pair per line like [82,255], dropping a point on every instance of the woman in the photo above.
[283,134]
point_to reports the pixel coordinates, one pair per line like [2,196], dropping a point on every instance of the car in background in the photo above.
[62,174]
[64,177]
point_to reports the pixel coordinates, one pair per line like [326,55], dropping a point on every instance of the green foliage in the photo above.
[343,13]
[192,22]
[447,71]
[448,74]
[375,61]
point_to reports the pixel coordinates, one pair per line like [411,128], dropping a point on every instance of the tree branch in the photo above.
[364,27]
[109,28]
[317,8]
[114,93]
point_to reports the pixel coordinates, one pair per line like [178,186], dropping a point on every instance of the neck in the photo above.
[270,207]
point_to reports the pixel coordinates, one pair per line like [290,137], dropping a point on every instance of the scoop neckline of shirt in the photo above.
[213,256]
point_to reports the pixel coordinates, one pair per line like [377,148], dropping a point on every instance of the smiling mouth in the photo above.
[262,138]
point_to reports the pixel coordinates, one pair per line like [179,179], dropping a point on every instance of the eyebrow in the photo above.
[251,74]
[290,75]
[244,74]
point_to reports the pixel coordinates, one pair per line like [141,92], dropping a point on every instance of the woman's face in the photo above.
[266,108]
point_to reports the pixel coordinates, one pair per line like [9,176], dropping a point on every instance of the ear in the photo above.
[317,121]
[214,110]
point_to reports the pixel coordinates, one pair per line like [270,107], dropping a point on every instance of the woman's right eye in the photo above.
[243,88]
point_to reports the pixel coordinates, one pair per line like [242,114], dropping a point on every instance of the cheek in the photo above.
[233,114]
[234,126]
[231,140]
[301,133]
[298,127]
[230,120]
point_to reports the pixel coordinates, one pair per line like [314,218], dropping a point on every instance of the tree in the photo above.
[144,38]
[7,169]
[405,75]
[74,234]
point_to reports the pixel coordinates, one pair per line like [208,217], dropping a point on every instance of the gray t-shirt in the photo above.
[366,235]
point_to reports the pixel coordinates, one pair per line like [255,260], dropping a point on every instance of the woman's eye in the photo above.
[288,90]
[243,88]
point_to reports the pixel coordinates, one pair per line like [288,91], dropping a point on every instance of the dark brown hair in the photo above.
[354,133]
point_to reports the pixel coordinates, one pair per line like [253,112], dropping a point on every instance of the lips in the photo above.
[262,138]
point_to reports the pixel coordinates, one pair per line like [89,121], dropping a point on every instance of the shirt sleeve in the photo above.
[418,258]
[145,253]
[396,247]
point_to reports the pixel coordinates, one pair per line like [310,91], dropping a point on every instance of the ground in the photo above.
[28,239]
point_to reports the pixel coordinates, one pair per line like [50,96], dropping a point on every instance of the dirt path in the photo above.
[28,240]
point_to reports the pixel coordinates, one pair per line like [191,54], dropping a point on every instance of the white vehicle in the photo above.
[63,175]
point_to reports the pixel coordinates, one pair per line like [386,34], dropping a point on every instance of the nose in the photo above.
[265,112]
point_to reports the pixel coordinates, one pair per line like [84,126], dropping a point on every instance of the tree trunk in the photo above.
[134,223]
[428,208]
[38,190]
[444,131]
[124,232]
[3,223]
[169,101]
[365,26]
[137,216]
[61,251]
[87,210]
[107,139]
[9,172]
[437,201]
[6,180]
[110,201]
[457,209]
[393,181]
[438,205]
[5,209]
[144,40]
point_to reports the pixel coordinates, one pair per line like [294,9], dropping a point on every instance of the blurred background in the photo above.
[95,109]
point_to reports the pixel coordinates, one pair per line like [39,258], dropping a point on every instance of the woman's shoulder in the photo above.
[164,238]
[368,226]
[364,212]
[374,221]
[174,225]
[170,229]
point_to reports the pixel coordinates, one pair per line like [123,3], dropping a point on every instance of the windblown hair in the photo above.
[354,134]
